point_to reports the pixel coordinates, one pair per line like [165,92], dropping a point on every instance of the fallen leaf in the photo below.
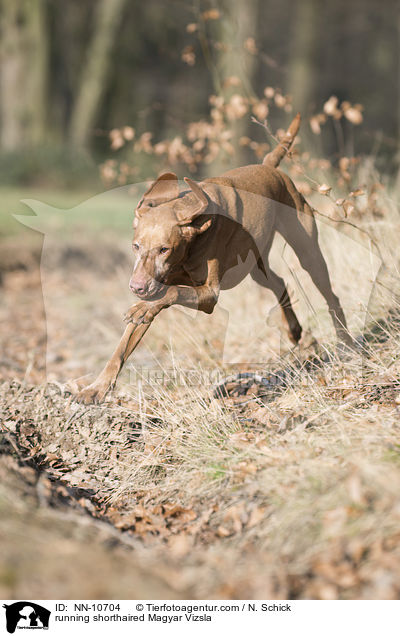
[211,14]
[257,514]
[224,532]
[324,189]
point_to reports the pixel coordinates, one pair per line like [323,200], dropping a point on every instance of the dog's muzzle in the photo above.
[151,291]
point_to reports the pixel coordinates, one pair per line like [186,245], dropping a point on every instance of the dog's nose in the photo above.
[137,288]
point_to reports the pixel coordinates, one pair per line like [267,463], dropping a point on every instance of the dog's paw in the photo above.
[74,386]
[92,394]
[143,312]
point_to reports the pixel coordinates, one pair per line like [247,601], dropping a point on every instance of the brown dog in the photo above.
[189,245]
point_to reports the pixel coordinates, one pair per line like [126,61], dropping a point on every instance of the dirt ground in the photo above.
[288,490]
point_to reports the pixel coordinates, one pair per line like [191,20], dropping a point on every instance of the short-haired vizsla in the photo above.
[189,245]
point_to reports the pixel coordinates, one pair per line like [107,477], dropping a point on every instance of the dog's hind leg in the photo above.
[264,276]
[303,238]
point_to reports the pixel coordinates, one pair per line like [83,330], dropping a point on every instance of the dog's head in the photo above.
[166,222]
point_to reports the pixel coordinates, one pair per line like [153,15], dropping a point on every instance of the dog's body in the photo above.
[190,245]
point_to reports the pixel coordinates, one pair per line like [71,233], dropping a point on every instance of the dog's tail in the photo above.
[273,158]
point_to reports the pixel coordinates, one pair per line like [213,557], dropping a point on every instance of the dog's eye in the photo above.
[135,246]
[163,250]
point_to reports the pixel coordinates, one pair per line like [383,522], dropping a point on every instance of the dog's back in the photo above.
[266,180]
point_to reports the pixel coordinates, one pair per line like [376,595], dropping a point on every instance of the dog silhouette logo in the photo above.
[26,615]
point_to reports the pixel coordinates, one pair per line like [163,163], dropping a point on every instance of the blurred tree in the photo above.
[304,54]
[238,48]
[237,58]
[95,70]
[23,76]
[71,71]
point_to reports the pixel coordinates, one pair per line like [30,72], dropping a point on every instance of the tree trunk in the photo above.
[95,71]
[38,69]
[239,23]
[303,55]
[23,73]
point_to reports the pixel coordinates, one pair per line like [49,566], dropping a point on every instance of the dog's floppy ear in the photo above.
[187,216]
[164,188]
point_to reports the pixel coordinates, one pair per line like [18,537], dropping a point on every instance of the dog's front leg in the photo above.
[140,317]
[145,311]
[97,391]
[203,298]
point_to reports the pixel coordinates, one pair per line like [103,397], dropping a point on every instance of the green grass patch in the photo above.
[67,211]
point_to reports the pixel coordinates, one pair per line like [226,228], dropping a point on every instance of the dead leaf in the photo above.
[180,545]
[331,106]
[192,27]
[355,490]
[185,515]
[334,520]
[250,46]
[324,189]
[211,14]
[269,92]
[260,110]
[224,532]
[188,55]
[348,208]
[353,115]
[257,514]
